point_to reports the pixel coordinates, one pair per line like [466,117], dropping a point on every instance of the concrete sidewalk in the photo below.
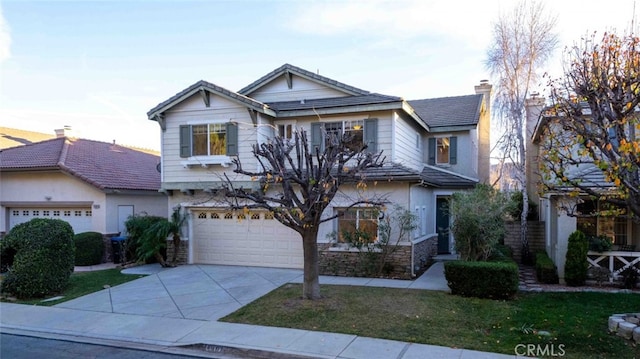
[178,308]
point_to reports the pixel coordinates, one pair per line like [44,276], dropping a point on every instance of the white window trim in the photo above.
[286,123]
[204,160]
[358,209]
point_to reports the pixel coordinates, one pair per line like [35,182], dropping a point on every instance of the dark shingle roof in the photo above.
[449,111]
[370,99]
[390,172]
[204,85]
[303,73]
[103,165]
[436,177]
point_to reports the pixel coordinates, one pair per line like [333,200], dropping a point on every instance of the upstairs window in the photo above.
[443,150]
[285,131]
[359,132]
[216,139]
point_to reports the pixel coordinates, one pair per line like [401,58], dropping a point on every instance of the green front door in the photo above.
[442,224]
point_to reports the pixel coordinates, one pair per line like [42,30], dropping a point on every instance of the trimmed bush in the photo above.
[497,280]
[576,265]
[546,271]
[43,260]
[89,248]
[600,243]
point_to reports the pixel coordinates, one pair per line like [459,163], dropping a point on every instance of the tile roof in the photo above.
[369,99]
[303,73]
[449,111]
[12,137]
[103,165]
[429,176]
[204,85]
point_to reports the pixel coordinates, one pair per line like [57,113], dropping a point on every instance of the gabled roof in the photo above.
[12,137]
[103,165]
[449,111]
[436,177]
[290,69]
[211,88]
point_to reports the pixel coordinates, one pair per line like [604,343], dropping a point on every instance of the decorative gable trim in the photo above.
[205,88]
[288,70]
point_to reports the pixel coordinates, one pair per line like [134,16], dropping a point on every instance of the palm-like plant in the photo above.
[154,239]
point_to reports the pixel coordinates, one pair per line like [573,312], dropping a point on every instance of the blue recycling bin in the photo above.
[117,247]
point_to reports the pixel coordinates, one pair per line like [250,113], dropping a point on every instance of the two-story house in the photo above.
[433,147]
[566,208]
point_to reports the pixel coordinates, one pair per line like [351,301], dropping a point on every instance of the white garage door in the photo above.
[254,239]
[78,218]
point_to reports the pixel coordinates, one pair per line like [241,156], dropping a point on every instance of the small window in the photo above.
[242,216]
[442,150]
[255,216]
[87,213]
[214,215]
[353,130]
[16,213]
[202,215]
[77,213]
[268,215]
[67,213]
[56,213]
[285,131]
[46,213]
[25,213]
[228,215]
[36,212]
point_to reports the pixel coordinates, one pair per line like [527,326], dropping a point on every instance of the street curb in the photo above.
[199,350]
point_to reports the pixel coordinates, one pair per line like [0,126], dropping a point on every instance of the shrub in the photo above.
[478,223]
[44,256]
[629,278]
[576,265]
[600,243]
[497,280]
[89,248]
[546,271]
[136,245]
[502,253]
[514,209]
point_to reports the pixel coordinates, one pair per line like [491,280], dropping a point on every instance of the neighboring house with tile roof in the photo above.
[92,185]
[433,147]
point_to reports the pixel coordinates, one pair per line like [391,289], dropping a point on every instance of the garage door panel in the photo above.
[80,219]
[255,240]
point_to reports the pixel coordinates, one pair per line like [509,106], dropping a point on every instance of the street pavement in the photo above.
[179,308]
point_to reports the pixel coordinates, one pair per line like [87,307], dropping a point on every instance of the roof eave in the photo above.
[340,110]
[440,129]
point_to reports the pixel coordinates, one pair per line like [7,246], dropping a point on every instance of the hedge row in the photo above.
[546,271]
[496,280]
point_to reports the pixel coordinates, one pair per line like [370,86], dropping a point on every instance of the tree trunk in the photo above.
[176,247]
[311,283]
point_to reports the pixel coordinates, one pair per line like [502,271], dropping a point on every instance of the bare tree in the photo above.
[297,183]
[592,143]
[523,41]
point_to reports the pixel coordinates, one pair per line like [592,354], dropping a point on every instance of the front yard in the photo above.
[83,283]
[573,322]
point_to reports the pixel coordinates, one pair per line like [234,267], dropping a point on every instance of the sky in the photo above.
[100,66]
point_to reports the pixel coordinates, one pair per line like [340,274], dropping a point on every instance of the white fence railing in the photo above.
[615,261]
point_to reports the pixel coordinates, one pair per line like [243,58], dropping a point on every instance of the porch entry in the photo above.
[442,224]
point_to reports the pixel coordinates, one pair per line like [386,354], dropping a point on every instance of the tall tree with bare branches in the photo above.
[297,183]
[592,139]
[523,41]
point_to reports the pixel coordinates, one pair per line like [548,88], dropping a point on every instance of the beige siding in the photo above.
[153,204]
[50,188]
[278,90]
[465,154]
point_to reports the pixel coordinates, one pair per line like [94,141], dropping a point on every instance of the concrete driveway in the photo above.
[201,292]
